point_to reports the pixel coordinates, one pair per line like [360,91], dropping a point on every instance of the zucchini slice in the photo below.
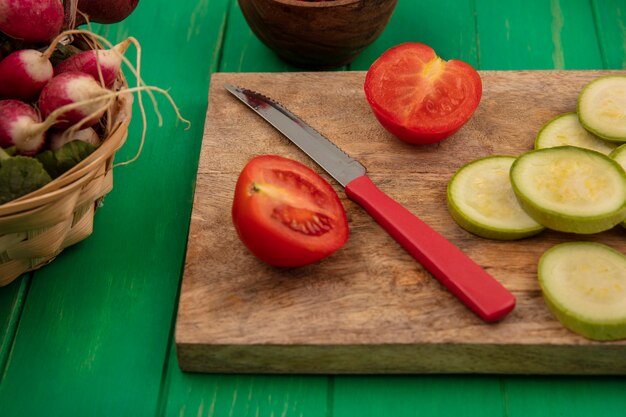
[570,189]
[619,155]
[602,107]
[481,200]
[565,129]
[584,285]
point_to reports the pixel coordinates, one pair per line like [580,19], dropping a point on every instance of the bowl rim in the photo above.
[316,4]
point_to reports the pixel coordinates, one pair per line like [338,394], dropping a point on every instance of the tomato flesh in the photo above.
[419,97]
[286,214]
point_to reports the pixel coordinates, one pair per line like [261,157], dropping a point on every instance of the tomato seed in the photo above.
[296,181]
[302,220]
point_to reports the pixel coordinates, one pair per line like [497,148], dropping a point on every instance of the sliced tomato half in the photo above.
[286,214]
[419,97]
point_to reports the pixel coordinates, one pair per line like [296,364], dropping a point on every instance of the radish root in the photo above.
[135,70]
[57,114]
[70,13]
[78,126]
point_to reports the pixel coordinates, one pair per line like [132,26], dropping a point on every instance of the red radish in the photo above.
[109,61]
[31,20]
[59,138]
[74,88]
[23,74]
[112,11]
[21,126]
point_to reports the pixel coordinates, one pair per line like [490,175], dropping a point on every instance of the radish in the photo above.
[93,62]
[118,51]
[59,138]
[77,88]
[23,74]
[107,11]
[34,21]
[21,126]
[76,99]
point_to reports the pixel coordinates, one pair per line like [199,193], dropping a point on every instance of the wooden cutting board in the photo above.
[370,307]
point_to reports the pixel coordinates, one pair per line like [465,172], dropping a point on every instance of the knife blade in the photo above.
[463,277]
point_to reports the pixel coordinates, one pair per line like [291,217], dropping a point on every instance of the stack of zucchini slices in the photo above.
[573,181]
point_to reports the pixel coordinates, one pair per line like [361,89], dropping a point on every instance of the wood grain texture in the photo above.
[191,395]
[11,304]
[610,24]
[422,21]
[558,29]
[571,396]
[371,307]
[418,395]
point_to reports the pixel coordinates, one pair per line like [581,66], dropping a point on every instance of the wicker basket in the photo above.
[36,227]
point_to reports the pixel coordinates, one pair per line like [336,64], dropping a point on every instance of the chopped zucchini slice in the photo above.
[584,285]
[602,107]
[565,129]
[481,200]
[570,189]
[619,155]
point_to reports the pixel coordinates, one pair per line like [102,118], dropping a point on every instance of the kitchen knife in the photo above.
[454,269]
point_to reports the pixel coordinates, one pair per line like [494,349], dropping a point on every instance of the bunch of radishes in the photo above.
[39,21]
[42,103]
[58,85]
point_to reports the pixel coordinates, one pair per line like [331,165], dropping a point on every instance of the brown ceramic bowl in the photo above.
[317,34]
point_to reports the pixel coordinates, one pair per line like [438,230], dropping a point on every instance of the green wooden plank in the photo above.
[611,29]
[537,34]
[565,396]
[95,329]
[448,26]
[11,303]
[435,395]
[243,395]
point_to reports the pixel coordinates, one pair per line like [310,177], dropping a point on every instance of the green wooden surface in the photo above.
[545,34]
[92,333]
[610,18]
[11,303]
[449,26]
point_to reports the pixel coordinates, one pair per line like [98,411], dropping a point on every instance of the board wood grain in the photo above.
[371,308]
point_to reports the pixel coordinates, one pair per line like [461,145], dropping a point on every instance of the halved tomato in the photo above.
[419,97]
[286,214]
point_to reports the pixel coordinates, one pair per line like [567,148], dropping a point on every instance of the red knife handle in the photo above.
[454,269]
